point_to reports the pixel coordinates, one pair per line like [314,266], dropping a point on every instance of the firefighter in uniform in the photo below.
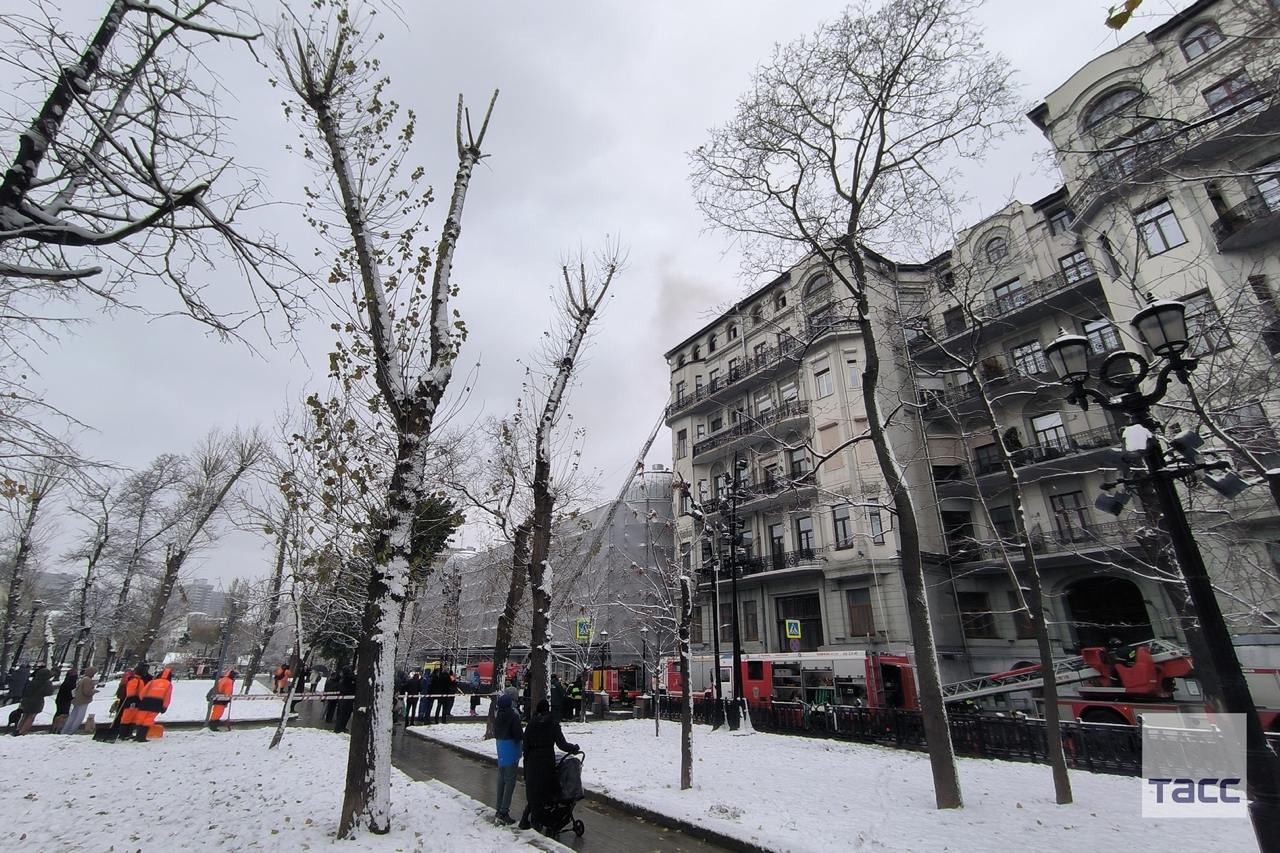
[152,701]
[575,697]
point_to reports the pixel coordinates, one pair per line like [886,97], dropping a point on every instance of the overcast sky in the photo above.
[600,101]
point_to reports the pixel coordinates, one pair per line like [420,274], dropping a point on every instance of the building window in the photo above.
[681,388]
[788,391]
[764,403]
[682,444]
[1076,267]
[946,281]
[680,360]
[817,284]
[1109,252]
[1159,228]
[1070,516]
[1201,39]
[735,369]
[760,352]
[1060,221]
[1227,93]
[975,615]
[700,431]
[750,622]
[776,543]
[1123,156]
[1109,105]
[713,378]
[851,371]
[731,332]
[780,302]
[697,353]
[861,618]
[717,424]
[1102,336]
[1009,295]
[697,384]
[757,315]
[877,526]
[1049,431]
[997,249]
[953,321]
[686,551]
[842,527]
[1204,325]
[1022,627]
[799,463]
[986,459]
[822,382]
[804,534]
[1028,359]
[711,342]
[695,626]
[807,608]
[1266,183]
[1002,521]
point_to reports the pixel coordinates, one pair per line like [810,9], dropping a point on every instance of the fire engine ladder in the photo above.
[1066,671]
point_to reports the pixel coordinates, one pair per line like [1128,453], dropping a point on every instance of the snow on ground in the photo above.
[807,794]
[188,704]
[203,790]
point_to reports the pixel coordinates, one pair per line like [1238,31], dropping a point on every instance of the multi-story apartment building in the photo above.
[1169,147]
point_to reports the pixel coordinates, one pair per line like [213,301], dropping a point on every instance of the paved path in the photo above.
[608,829]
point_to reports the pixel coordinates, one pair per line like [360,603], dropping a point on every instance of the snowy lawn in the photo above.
[188,704]
[202,790]
[802,794]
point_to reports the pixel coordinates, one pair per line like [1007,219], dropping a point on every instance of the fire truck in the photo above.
[1098,686]
[622,683]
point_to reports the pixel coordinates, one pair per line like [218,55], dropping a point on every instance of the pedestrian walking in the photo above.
[220,699]
[559,699]
[413,688]
[152,701]
[509,736]
[475,703]
[541,784]
[80,699]
[433,686]
[38,686]
[62,701]
[348,701]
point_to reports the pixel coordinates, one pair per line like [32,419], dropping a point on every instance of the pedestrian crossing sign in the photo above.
[582,630]
[793,629]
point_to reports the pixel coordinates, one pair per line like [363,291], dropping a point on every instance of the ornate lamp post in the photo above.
[1162,326]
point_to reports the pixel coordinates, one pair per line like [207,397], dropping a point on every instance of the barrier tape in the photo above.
[304,697]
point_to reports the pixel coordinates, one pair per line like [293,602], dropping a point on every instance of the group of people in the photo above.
[428,696]
[140,698]
[30,688]
[338,710]
[537,744]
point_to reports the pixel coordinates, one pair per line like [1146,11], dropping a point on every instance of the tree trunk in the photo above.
[298,661]
[82,628]
[942,760]
[17,579]
[540,578]
[1034,603]
[686,690]
[173,560]
[515,598]
[273,607]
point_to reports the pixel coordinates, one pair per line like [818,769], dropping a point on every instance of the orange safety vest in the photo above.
[224,687]
[157,693]
[133,685]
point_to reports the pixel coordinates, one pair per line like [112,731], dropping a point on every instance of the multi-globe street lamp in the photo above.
[1162,327]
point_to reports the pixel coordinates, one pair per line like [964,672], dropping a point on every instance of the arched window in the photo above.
[1201,39]
[817,284]
[997,250]
[1109,105]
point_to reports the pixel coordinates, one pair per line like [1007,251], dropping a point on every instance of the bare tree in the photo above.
[216,468]
[337,81]
[845,140]
[28,498]
[92,553]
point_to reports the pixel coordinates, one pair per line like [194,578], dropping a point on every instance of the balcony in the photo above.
[1055,449]
[1007,310]
[1200,139]
[753,496]
[749,426]
[771,357]
[1253,222]
[953,481]
[1074,538]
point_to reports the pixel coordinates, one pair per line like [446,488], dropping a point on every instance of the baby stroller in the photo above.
[557,816]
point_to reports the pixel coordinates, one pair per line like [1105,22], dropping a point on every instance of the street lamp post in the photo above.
[644,659]
[735,542]
[1162,326]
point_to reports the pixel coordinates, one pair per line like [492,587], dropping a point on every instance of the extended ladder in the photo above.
[1065,671]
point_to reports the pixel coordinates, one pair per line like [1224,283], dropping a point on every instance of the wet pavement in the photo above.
[607,828]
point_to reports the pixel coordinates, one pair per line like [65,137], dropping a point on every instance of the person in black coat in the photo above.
[62,702]
[346,686]
[448,689]
[38,687]
[413,687]
[330,705]
[432,686]
[541,783]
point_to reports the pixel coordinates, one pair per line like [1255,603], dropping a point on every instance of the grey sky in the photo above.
[600,101]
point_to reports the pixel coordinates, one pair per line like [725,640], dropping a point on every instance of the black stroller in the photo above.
[557,816]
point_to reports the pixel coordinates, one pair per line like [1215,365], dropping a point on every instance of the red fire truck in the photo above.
[622,683]
[1100,685]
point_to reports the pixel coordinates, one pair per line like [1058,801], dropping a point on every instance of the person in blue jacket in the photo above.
[509,736]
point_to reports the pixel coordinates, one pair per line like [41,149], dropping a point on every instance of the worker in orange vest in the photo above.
[220,697]
[153,700]
[127,696]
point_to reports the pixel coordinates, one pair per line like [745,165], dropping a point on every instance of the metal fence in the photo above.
[1098,747]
